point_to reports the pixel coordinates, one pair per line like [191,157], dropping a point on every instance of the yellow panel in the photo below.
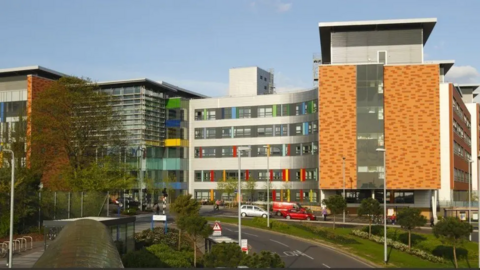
[224,175]
[311,195]
[176,143]
[281,195]
[211,194]
[288,195]
[287,176]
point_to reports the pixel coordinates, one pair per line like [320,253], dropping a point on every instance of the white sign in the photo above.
[244,245]
[217,229]
[159,218]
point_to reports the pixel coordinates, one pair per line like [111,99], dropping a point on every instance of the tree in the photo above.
[452,231]
[249,187]
[196,226]
[183,206]
[228,186]
[73,120]
[336,204]
[371,208]
[409,219]
[265,259]
[224,255]
[168,184]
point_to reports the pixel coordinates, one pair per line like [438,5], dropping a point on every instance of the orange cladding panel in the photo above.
[337,122]
[412,126]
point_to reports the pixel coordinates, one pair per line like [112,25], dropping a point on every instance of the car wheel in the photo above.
[244,215]
[308,218]
[287,217]
[264,216]
[279,214]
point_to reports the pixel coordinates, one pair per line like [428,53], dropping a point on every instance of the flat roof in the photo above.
[326,28]
[470,86]
[445,64]
[160,84]
[32,70]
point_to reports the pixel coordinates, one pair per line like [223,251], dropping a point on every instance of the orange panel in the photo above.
[338,125]
[412,126]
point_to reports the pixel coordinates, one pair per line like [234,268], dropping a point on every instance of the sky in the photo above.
[193,44]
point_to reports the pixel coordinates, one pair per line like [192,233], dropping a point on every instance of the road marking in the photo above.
[251,234]
[303,254]
[228,229]
[325,265]
[278,242]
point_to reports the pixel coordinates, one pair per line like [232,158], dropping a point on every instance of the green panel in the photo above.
[173,103]
[274,110]
[237,112]
[204,114]
[310,107]
[154,164]
[171,164]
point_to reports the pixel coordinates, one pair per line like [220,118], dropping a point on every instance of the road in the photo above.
[295,253]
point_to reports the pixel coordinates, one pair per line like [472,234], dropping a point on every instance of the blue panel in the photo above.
[172,123]
[223,113]
[234,113]
[305,128]
[2,109]
[303,108]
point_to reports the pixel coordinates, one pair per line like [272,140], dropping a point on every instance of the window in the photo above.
[265,111]
[208,152]
[261,77]
[198,114]
[198,176]
[197,152]
[265,87]
[199,133]
[227,113]
[211,133]
[211,115]
[243,132]
[226,132]
[382,57]
[281,130]
[265,131]
[404,197]
[285,110]
[244,112]
[298,129]
[227,151]
[297,109]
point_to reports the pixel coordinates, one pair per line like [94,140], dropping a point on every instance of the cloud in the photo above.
[463,74]
[285,83]
[276,5]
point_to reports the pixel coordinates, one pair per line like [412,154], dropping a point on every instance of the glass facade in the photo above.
[370,126]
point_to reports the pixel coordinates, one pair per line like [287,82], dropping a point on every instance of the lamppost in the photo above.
[478,213]
[268,185]
[40,187]
[12,194]
[469,195]
[140,174]
[344,195]
[384,203]
[239,154]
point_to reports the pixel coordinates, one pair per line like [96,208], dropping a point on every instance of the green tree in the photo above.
[73,120]
[183,206]
[169,182]
[409,219]
[228,186]
[371,208]
[265,259]
[224,255]
[249,187]
[196,226]
[336,204]
[453,232]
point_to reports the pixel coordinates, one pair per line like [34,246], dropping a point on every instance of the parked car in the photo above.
[300,214]
[253,211]
[278,207]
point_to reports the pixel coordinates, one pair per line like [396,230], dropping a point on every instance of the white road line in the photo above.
[251,234]
[303,254]
[325,265]
[279,243]
[228,229]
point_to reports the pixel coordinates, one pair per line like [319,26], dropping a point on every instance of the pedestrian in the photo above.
[432,221]
[158,209]
[324,214]
[393,219]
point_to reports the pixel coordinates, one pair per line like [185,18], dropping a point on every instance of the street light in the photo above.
[268,185]
[469,195]
[384,203]
[478,213]
[12,193]
[344,195]
[239,154]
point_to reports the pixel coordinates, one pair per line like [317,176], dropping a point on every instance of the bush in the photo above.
[148,237]
[400,246]
[141,259]
[231,256]
[172,258]
[129,212]
[376,230]
[328,234]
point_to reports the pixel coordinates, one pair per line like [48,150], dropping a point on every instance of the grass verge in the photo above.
[340,238]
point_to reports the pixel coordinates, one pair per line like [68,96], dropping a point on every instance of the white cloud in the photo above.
[276,5]
[285,84]
[463,74]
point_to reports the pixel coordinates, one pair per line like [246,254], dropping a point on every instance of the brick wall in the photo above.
[337,123]
[412,126]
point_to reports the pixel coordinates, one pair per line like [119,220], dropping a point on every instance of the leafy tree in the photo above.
[196,226]
[336,204]
[249,187]
[170,257]
[169,182]
[224,255]
[228,186]
[453,232]
[183,206]
[409,219]
[73,120]
[371,208]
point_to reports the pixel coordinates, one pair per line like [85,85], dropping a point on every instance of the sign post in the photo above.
[160,218]
[244,245]
[217,229]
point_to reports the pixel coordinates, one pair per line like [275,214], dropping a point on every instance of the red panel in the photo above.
[301,195]
[246,175]
[234,151]
[212,176]
[288,150]
[274,195]
[302,174]
[284,175]
[201,154]
[271,175]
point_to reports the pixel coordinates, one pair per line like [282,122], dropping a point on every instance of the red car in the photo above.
[300,214]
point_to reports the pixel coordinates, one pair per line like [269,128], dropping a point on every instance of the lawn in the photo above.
[371,251]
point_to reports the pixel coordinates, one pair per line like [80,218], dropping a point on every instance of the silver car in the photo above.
[253,211]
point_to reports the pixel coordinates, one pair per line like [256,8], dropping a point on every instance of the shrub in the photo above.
[148,237]
[172,258]
[328,234]
[141,259]
[129,212]
[376,230]
[400,246]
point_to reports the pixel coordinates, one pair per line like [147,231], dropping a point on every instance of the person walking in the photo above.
[324,214]
[432,221]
